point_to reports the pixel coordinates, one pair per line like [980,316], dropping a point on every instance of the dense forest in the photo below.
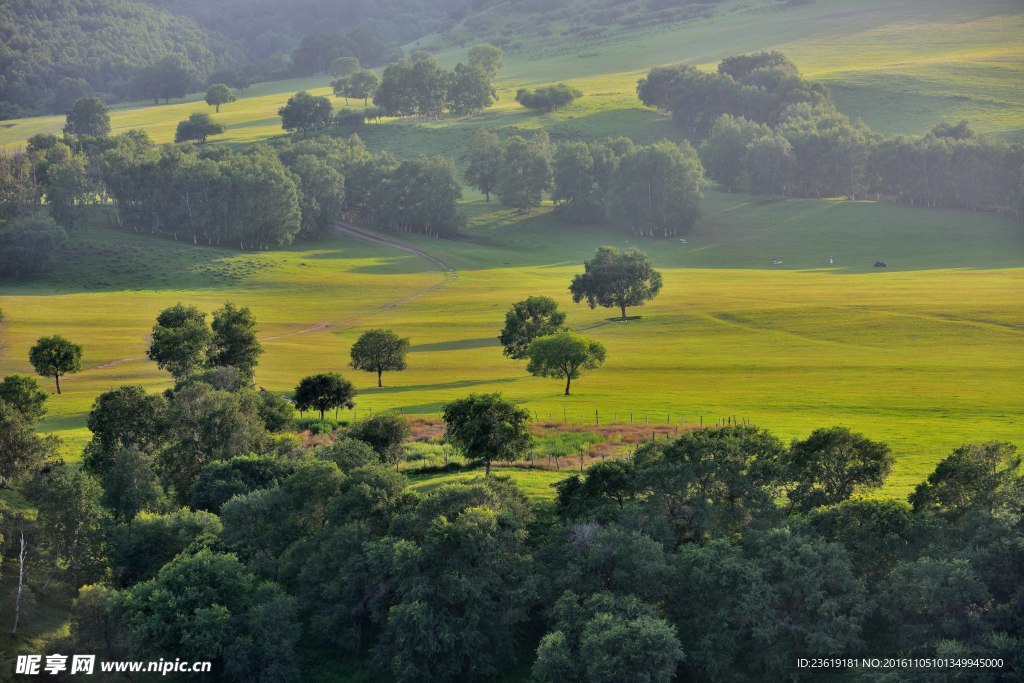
[52,53]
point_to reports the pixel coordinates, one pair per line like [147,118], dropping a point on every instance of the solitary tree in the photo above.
[324,391]
[483,161]
[23,394]
[379,350]
[88,116]
[564,355]
[486,427]
[218,94]
[528,319]
[304,112]
[234,341]
[180,340]
[198,127]
[615,278]
[55,356]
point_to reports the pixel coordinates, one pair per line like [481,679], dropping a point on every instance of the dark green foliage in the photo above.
[464,593]
[71,520]
[28,245]
[234,343]
[131,485]
[724,152]
[324,391]
[486,427]
[548,98]
[150,540]
[657,189]
[275,411]
[524,174]
[830,465]
[379,350]
[88,116]
[218,482]
[123,418]
[483,161]
[986,477]
[205,425]
[172,76]
[249,628]
[259,526]
[385,433]
[486,57]
[180,340]
[616,279]
[55,356]
[248,199]
[58,53]
[198,127]
[350,453]
[607,638]
[22,452]
[470,90]
[533,317]
[22,393]
[304,112]
[564,355]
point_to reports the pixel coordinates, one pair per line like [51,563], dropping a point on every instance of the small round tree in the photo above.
[616,279]
[88,116]
[385,433]
[379,350]
[564,355]
[832,464]
[324,391]
[55,356]
[527,320]
[197,127]
[485,427]
[218,94]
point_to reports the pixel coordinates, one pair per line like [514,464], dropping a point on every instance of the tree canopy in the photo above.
[564,355]
[55,356]
[616,279]
[379,351]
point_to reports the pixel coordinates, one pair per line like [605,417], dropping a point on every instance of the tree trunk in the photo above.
[379,373]
[623,307]
[567,381]
[22,554]
[57,379]
[487,468]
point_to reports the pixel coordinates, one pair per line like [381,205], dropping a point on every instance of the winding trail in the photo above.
[348,230]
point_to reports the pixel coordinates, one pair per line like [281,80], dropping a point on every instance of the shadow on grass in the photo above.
[442,385]
[457,344]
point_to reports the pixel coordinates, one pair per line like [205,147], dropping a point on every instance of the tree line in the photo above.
[259,198]
[767,131]
[655,189]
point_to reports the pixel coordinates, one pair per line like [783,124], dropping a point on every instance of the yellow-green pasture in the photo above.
[900,67]
[925,354]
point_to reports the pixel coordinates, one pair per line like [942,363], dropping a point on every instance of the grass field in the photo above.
[901,67]
[924,355]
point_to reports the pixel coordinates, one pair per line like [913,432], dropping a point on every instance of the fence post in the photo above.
[597,418]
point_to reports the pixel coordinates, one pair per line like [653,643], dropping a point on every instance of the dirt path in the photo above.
[347,230]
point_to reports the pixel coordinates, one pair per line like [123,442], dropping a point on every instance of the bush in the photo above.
[548,98]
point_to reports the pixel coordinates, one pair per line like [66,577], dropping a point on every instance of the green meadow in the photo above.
[925,354]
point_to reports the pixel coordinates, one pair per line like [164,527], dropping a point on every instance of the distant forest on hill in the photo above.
[54,51]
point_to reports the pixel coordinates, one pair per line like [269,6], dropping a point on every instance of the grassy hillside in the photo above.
[925,355]
[902,68]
